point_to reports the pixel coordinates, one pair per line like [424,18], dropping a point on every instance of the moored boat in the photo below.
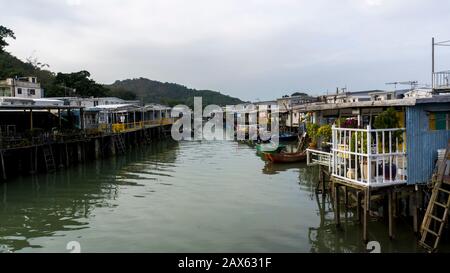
[286,157]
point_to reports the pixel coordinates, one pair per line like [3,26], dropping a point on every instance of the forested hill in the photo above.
[82,85]
[171,93]
[57,84]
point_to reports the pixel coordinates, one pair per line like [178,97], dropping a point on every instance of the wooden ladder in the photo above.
[433,224]
[120,144]
[48,157]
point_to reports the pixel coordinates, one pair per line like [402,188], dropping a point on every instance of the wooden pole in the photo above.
[320,179]
[31,119]
[59,117]
[432,62]
[31,160]
[323,184]
[3,165]
[366,216]
[67,155]
[415,212]
[346,196]
[358,206]
[82,119]
[36,159]
[390,215]
[61,160]
[336,206]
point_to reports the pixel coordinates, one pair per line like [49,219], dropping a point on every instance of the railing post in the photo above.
[333,148]
[369,151]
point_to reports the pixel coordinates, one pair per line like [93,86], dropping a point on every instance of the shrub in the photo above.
[325,132]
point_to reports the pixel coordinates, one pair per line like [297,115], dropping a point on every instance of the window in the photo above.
[389,96]
[19,91]
[32,92]
[439,121]
[5,92]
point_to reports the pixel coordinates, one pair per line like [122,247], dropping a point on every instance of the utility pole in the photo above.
[432,62]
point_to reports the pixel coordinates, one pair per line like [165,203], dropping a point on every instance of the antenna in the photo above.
[413,84]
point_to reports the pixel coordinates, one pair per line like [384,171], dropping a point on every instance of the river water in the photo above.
[181,197]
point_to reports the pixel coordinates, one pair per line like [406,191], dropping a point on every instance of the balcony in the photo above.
[319,158]
[441,80]
[369,157]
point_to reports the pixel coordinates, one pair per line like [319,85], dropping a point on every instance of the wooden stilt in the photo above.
[395,205]
[346,196]
[366,216]
[358,206]
[97,149]
[84,151]
[31,161]
[61,160]
[390,214]
[36,159]
[67,155]
[337,213]
[415,212]
[79,153]
[320,185]
[3,165]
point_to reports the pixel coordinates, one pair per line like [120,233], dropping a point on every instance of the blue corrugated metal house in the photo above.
[427,130]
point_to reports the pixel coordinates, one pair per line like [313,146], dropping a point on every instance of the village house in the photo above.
[289,118]
[24,87]
[96,101]
[424,120]
[370,156]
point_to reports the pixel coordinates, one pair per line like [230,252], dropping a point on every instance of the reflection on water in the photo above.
[180,197]
[49,205]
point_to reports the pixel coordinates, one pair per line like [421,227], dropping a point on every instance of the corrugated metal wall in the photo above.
[422,143]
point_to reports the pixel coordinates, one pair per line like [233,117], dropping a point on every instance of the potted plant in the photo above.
[325,133]
[361,142]
[351,173]
[348,123]
[312,129]
[388,120]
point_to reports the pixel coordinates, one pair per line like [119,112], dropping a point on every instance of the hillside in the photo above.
[11,66]
[171,93]
[143,89]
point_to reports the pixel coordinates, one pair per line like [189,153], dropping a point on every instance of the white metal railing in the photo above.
[370,157]
[441,80]
[316,157]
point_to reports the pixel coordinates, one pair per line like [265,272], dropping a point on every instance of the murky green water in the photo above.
[181,197]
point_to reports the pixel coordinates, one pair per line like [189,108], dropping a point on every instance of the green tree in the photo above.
[81,82]
[122,93]
[299,94]
[5,33]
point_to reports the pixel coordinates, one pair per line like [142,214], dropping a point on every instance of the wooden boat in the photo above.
[286,157]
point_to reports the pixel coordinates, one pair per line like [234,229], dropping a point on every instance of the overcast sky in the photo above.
[249,49]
